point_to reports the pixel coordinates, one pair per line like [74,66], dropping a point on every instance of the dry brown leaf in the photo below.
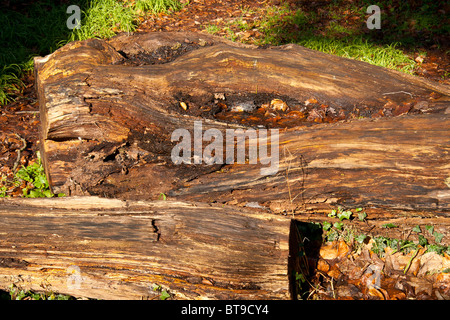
[334,250]
[420,285]
[279,105]
[323,266]
[430,261]
[309,101]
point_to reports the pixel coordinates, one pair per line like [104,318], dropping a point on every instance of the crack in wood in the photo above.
[156,229]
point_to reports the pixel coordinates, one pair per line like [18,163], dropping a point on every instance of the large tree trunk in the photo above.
[108,110]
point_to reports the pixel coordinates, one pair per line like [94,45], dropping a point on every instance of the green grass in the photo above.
[103,19]
[388,56]
[39,28]
[10,81]
[157,6]
[212,29]
[16,293]
[283,26]
[33,32]
[339,27]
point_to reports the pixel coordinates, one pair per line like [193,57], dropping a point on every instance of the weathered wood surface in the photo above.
[112,249]
[108,111]
[101,248]
[400,163]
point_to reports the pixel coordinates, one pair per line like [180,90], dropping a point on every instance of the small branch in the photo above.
[288,166]
[19,152]
[411,260]
[399,92]
[30,111]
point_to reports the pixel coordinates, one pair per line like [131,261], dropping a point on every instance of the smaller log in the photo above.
[111,249]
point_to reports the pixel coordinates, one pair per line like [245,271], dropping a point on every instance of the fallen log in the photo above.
[109,110]
[110,249]
[91,247]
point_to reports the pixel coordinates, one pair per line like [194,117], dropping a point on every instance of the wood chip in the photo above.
[183,105]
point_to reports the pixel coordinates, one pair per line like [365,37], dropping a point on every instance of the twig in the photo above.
[20,112]
[398,92]
[302,164]
[332,289]
[287,179]
[288,168]
[409,233]
[19,152]
[411,260]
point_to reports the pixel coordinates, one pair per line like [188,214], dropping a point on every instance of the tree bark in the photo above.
[111,249]
[108,109]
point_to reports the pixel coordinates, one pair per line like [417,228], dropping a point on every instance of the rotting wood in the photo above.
[108,110]
[111,249]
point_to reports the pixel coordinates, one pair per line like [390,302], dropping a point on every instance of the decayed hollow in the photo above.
[108,109]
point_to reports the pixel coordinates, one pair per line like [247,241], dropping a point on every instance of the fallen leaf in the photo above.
[309,101]
[316,115]
[374,292]
[420,285]
[419,59]
[323,266]
[334,273]
[296,114]
[430,261]
[334,250]
[278,105]
[401,109]
[394,293]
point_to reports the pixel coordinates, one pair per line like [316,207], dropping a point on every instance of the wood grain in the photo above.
[108,109]
[111,249]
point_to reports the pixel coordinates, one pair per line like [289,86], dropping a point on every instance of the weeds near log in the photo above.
[24,24]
